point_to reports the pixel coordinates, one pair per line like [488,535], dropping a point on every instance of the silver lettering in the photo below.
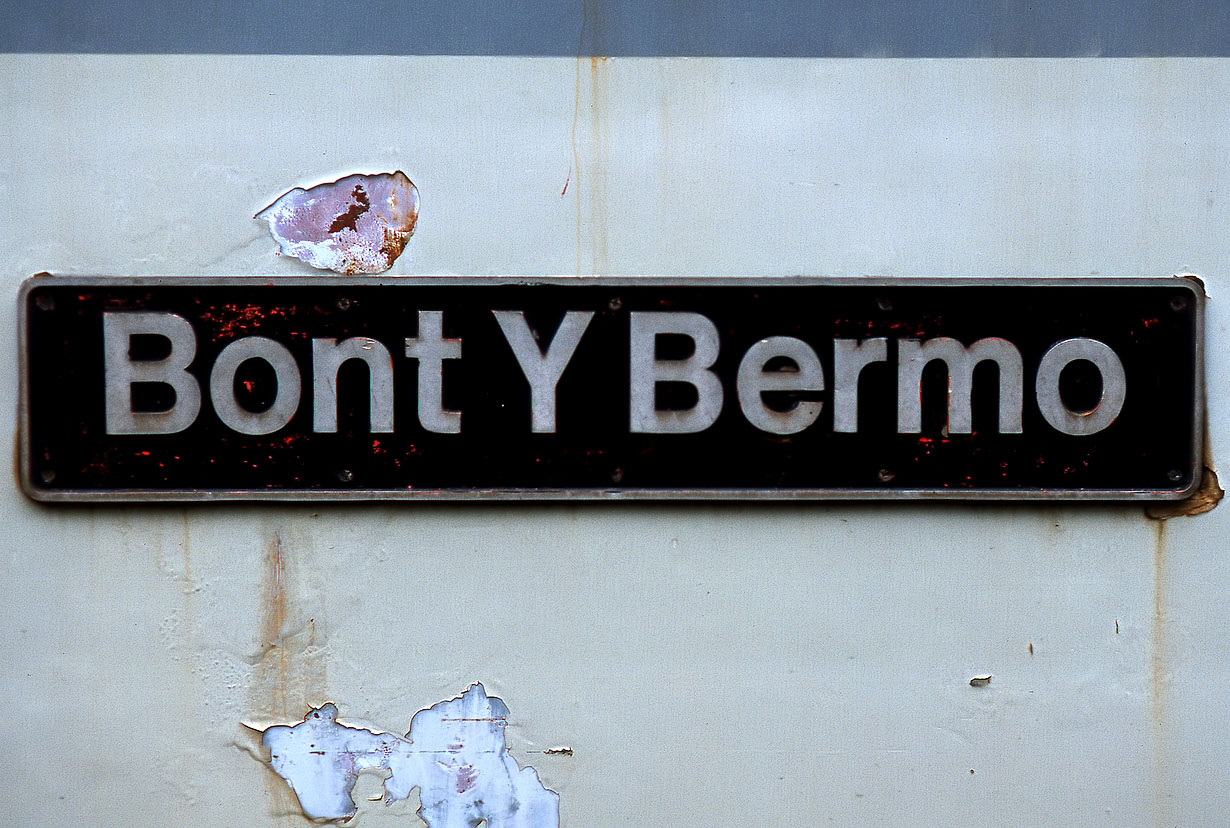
[543,371]
[1114,386]
[913,356]
[850,357]
[120,371]
[430,348]
[222,385]
[327,357]
[647,371]
[753,380]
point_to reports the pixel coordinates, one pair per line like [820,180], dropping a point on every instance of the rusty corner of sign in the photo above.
[1196,281]
[1204,498]
[357,224]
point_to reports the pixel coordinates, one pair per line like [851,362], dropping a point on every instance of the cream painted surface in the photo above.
[708,664]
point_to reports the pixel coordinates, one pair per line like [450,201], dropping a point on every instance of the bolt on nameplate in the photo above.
[580,387]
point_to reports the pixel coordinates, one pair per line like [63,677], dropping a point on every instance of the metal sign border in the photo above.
[1189,282]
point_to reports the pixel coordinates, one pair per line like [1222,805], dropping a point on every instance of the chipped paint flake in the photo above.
[357,224]
[321,759]
[454,754]
[464,772]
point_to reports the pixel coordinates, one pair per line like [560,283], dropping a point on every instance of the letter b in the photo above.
[120,372]
[647,371]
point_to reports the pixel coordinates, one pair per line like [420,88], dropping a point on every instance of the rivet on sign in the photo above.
[47,475]
[615,304]
[884,304]
[980,681]
[345,475]
[1174,475]
[343,303]
[617,475]
[1178,303]
[45,302]
[885,475]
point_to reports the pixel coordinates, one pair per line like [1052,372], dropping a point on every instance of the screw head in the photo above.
[615,304]
[1174,475]
[343,303]
[1178,303]
[45,302]
[884,303]
[617,475]
[345,475]
[885,475]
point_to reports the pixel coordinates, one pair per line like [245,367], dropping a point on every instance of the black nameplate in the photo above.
[345,388]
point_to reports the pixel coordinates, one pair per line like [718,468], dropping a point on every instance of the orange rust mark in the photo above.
[576,155]
[349,219]
[1160,681]
[274,617]
[598,107]
[1204,499]
[1031,648]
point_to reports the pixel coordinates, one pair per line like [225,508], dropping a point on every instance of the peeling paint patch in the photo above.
[454,754]
[321,759]
[357,224]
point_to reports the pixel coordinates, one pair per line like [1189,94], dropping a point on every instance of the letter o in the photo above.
[222,385]
[1114,386]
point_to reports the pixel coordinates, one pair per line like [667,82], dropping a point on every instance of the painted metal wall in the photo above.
[707,664]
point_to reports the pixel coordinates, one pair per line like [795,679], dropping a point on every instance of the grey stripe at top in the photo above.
[759,28]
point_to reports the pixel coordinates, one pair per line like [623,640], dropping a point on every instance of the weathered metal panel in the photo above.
[702,663]
[912,410]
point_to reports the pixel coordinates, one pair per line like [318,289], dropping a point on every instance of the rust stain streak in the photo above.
[1163,793]
[186,545]
[289,669]
[272,671]
[274,618]
[597,189]
[187,588]
[576,160]
[576,117]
